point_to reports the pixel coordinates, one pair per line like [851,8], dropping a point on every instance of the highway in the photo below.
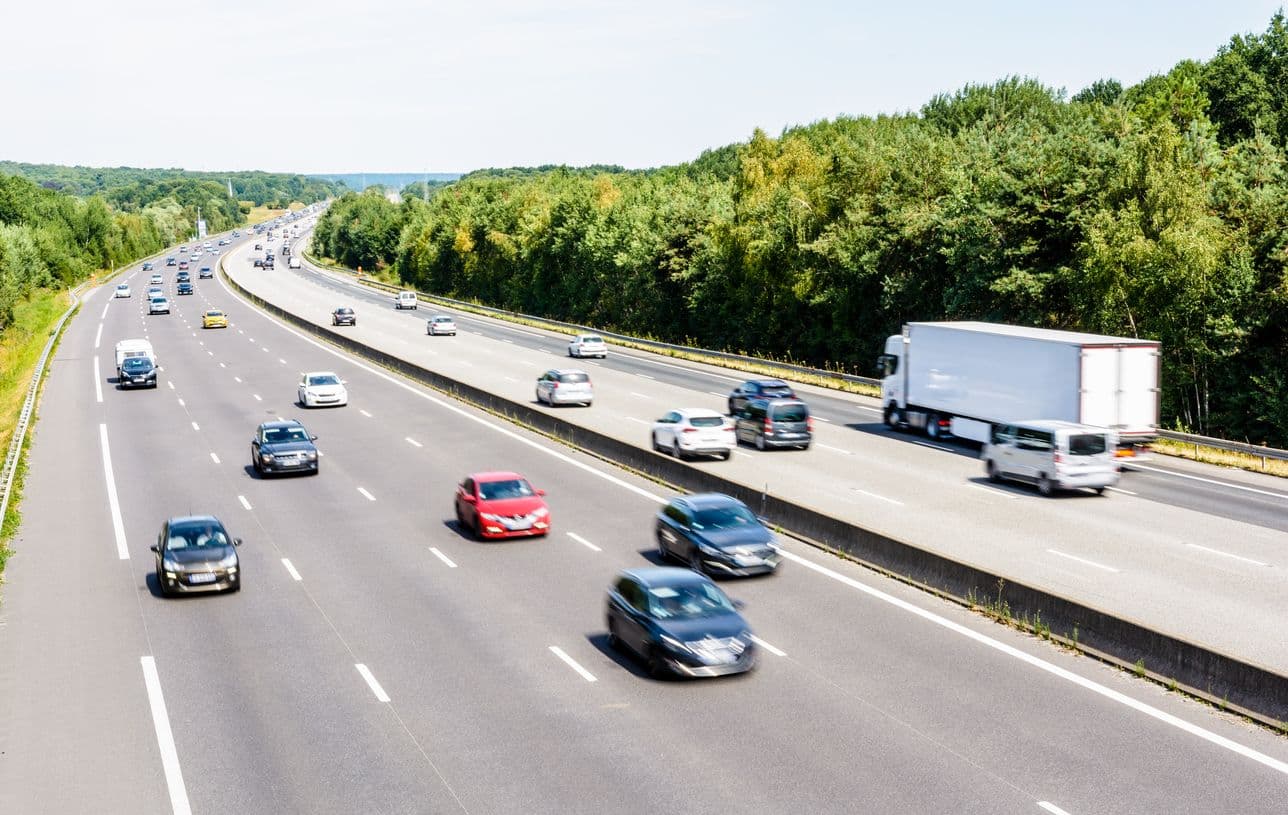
[377,660]
[1155,551]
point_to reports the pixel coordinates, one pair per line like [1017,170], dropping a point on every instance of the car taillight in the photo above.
[769,425]
[554,386]
[1059,458]
[809,423]
[690,430]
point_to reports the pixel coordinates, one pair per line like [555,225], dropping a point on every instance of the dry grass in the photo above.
[1222,458]
[258,215]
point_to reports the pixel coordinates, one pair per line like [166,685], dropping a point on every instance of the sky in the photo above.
[408,86]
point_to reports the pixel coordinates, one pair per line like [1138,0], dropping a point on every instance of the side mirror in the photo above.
[155,548]
[469,499]
[313,438]
[541,492]
[739,604]
[237,541]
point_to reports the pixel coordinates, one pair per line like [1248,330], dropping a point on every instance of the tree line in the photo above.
[1154,211]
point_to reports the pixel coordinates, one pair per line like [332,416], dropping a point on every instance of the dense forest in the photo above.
[1157,210]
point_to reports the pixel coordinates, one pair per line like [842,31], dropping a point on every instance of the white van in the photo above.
[294,262]
[405,299]
[133,348]
[1053,455]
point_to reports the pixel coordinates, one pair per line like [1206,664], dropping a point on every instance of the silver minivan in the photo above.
[565,386]
[1053,455]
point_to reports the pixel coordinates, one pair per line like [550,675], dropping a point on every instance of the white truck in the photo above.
[133,348]
[294,262]
[965,378]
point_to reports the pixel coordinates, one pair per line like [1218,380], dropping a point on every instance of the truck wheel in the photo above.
[932,426]
[887,416]
[1044,485]
[991,469]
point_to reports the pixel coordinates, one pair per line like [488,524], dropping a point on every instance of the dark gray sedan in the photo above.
[283,447]
[196,554]
[716,534]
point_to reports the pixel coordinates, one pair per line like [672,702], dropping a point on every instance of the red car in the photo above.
[501,505]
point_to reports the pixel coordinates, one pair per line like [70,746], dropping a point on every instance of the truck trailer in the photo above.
[965,378]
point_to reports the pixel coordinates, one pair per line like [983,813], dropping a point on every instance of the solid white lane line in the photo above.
[366,494]
[1052,808]
[257,397]
[181,402]
[878,497]
[165,739]
[98,382]
[572,663]
[381,696]
[114,505]
[1043,665]
[1119,489]
[1084,561]
[412,441]
[835,449]
[98,336]
[244,502]
[778,652]
[1227,554]
[214,458]
[592,547]
[290,568]
[195,426]
[509,341]
[443,558]
[238,378]
[1280,495]
[364,413]
[993,491]
[871,409]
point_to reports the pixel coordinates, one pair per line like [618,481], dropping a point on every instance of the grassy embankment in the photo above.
[258,215]
[20,347]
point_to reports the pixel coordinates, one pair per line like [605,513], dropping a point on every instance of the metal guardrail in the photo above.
[29,404]
[1221,444]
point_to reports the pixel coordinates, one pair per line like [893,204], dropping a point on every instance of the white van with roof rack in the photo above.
[1054,455]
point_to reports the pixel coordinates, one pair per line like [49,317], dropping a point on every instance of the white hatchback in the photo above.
[564,386]
[587,345]
[694,432]
[440,324]
[321,388]
[123,290]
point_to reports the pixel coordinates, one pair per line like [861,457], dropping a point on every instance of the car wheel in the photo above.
[695,561]
[614,641]
[676,451]
[652,441]
[1044,485]
[161,584]
[760,441]
[654,665]
[726,455]
[932,426]
[1100,490]
[993,474]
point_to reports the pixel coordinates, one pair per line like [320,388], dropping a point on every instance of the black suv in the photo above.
[758,387]
[137,372]
[717,534]
[774,423]
[184,288]
[283,447]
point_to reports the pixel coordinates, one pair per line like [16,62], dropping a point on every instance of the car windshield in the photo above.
[732,516]
[775,389]
[214,314]
[442,319]
[1087,444]
[789,413]
[140,364]
[122,287]
[589,340]
[706,421]
[687,601]
[324,379]
[282,435]
[511,488]
[344,311]
[196,535]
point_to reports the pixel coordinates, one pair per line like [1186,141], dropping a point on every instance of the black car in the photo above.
[259,246]
[774,423]
[170,261]
[183,277]
[184,288]
[205,273]
[679,623]
[268,262]
[259,262]
[772,388]
[196,554]
[715,534]
[283,447]
[344,316]
[137,372]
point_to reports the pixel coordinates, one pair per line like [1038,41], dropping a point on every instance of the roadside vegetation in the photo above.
[1157,210]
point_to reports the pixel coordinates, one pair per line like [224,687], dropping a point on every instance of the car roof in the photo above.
[276,423]
[691,412]
[773,382]
[441,317]
[321,373]
[562,371]
[202,519]
[707,500]
[494,475]
[664,576]
[590,337]
[1058,424]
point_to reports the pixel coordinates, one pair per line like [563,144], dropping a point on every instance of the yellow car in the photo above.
[214,318]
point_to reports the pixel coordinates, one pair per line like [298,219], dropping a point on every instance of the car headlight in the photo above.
[266,456]
[312,455]
[540,512]
[228,562]
[170,565]
[672,642]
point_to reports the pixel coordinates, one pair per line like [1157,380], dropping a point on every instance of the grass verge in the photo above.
[258,215]
[1222,458]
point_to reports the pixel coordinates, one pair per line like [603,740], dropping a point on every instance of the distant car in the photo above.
[196,554]
[183,277]
[774,422]
[321,388]
[501,505]
[147,265]
[156,279]
[283,446]
[344,316]
[205,273]
[155,291]
[214,318]
[694,432]
[268,262]
[183,264]
[184,288]
[565,386]
[158,305]
[183,248]
[405,299]
[223,241]
[758,387]
[679,623]
[440,324]
[587,345]
[715,533]
[259,246]
[137,372]
[169,261]
[259,263]
[196,256]
[123,290]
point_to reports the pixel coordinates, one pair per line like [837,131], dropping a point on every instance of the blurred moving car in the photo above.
[321,388]
[564,386]
[137,372]
[405,299]
[170,261]
[214,318]
[1053,455]
[156,279]
[587,345]
[715,533]
[344,316]
[283,446]
[184,288]
[501,505]
[205,273]
[440,324]
[679,623]
[147,265]
[122,290]
[158,305]
[767,388]
[687,432]
[196,554]
[771,422]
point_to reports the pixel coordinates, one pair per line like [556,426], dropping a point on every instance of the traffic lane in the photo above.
[260,675]
[1210,494]
[69,604]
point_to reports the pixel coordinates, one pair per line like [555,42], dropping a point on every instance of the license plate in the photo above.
[138,380]
[207,577]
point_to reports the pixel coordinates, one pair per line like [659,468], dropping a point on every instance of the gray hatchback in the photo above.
[774,423]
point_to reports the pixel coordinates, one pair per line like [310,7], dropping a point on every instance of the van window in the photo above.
[1031,439]
[1003,434]
[1087,444]
[791,412]
[754,410]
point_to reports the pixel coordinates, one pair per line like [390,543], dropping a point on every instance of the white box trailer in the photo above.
[133,348]
[964,378]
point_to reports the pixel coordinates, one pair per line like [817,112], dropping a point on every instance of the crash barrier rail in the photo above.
[1228,682]
[1221,444]
[11,459]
